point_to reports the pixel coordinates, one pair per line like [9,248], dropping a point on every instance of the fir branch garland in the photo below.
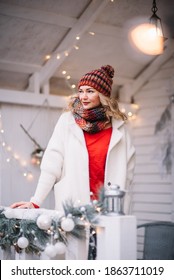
[11,229]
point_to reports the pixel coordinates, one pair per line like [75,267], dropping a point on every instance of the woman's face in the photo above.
[89,97]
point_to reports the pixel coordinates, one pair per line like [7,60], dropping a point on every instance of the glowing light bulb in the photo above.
[9,149]
[23,163]
[16,156]
[48,56]
[130,114]
[91,33]
[145,38]
[123,110]
[29,176]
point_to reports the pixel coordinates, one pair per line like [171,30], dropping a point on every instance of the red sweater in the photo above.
[97,145]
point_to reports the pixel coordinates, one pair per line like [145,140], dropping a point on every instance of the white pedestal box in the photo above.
[116,238]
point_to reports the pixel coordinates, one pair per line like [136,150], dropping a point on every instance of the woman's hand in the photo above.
[22,205]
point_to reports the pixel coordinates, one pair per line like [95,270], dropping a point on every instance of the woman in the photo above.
[90,146]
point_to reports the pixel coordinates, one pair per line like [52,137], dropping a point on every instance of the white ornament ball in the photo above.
[44,222]
[67,224]
[95,201]
[69,215]
[23,242]
[60,248]
[82,209]
[9,213]
[50,251]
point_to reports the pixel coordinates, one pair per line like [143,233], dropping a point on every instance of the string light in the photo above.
[130,109]
[76,47]
[77,37]
[8,148]
[91,33]
[30,176]
[129,114]
[48,56]
[14,156]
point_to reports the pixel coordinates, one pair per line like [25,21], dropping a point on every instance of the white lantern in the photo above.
[113,199]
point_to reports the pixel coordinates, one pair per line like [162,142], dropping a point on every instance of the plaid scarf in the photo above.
[89,120]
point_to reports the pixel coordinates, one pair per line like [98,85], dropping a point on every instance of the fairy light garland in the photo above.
[13,157]
[130,109]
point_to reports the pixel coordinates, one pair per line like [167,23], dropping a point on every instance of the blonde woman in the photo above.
[90,146]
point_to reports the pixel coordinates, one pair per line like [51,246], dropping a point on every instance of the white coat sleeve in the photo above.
[52,163]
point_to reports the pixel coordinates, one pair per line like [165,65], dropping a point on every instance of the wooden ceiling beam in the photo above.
[31,99]
[82,25]
[12,66]
[55,19]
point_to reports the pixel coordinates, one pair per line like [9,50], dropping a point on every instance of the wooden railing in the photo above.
[116,240]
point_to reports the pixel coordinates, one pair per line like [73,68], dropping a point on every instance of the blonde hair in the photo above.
[110,104]
[112,107]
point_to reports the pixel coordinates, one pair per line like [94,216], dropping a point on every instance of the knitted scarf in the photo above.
[89,120]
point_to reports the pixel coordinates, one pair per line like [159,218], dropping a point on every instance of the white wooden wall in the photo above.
[153,190]
[40,123]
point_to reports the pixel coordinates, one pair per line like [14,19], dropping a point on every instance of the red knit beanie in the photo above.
[99,79]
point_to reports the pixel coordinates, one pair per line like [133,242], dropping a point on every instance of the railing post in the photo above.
[116,238]
[77,249]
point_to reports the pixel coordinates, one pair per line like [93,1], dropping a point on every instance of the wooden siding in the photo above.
[153,189]
[40,123]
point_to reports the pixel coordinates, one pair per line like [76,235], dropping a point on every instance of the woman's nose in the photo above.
[84,95]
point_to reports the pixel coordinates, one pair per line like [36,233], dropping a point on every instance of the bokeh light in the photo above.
[144,37]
